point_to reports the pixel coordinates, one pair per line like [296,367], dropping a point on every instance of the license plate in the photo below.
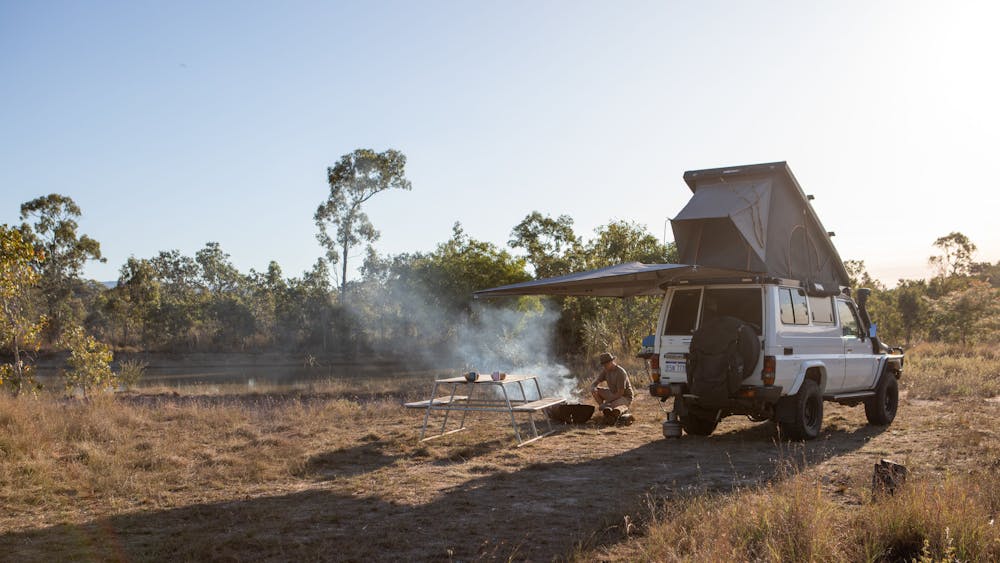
[675,367]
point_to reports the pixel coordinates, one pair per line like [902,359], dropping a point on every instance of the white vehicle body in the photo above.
[819,338]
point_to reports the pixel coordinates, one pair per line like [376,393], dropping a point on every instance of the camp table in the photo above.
[476,397]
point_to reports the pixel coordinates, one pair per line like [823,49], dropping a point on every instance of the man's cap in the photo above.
[605,358]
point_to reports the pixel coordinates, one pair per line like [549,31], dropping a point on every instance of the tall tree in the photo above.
[447,277]
[353,181]
[956,255]
[964,315]
[552,246]
[859,276]
[54,233]
[140,293]
[20,327]
[911,302]
[620,324]
[181,297]
[217,271]
[624,241]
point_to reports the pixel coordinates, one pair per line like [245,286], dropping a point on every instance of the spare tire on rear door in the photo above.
[724,352]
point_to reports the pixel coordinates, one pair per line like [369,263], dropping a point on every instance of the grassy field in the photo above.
[335,472]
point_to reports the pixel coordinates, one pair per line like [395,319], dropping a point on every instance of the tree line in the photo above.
[959,303]
[172,302]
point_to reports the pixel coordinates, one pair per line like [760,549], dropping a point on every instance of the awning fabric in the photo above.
[622,280]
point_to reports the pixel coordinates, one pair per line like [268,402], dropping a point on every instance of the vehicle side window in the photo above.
[848,321]
[822,310]
[683,313]
[794,310]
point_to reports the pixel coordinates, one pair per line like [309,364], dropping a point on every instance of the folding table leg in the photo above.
[513,421]
[427,414]
[465,412]
[447,409]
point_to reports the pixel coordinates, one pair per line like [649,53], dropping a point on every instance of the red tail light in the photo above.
[654,369]
[767,374]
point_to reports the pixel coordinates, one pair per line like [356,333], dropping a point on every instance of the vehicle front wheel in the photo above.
[881,409]
[806,409]
[699,424]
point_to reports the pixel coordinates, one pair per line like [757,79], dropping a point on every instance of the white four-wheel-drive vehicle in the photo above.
[769,350]
[757,318]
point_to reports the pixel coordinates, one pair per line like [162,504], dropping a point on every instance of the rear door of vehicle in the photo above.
[679,323]
[689,308]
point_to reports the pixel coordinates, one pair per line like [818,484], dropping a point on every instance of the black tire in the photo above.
[807,413]
[881,409]
[699,424]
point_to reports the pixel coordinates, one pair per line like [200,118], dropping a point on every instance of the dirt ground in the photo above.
[474,495]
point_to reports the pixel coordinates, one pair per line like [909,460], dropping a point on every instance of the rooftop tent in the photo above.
[755,219]
[622,280]
[741,222]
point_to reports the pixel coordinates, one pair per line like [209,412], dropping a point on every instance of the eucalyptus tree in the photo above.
[54,234]
[620,324]
[552,248]
[956,255]
[181,298]
[139,291]
[354,180]
[20,326]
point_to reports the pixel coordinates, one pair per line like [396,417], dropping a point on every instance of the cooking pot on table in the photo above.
[570,414]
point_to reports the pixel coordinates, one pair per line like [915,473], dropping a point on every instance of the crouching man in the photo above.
[615,398]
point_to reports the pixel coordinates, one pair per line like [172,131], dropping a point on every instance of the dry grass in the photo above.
[333,470]
[949,509]
[113,454]
[934,371]
[797,520]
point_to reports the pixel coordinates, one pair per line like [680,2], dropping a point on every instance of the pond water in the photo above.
[248,373]
[272,377]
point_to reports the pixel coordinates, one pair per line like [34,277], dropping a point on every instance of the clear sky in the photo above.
[177,123]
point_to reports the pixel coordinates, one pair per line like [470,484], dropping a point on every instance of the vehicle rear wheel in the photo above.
[881,409]
[701,424]
[807,413]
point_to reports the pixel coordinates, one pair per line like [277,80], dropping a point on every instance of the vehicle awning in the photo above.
[622,280]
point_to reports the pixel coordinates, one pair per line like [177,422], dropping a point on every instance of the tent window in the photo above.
[822,310]
[794,310]
[683,313]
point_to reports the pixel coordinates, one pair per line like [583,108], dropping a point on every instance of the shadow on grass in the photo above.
[347,462]
[538,512]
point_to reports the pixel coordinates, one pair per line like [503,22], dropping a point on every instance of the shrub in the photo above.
[89,363]
[130,372]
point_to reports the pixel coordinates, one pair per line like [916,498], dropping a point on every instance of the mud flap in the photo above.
[784,409]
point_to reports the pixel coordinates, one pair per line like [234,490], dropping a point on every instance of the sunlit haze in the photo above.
[177,123]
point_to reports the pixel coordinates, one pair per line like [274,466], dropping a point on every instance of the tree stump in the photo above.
[888,476]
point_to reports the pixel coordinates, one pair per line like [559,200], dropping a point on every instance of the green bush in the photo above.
[130,372]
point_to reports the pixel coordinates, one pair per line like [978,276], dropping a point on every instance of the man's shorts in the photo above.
[621,404]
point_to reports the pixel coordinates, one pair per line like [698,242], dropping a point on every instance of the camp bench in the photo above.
[435,401]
